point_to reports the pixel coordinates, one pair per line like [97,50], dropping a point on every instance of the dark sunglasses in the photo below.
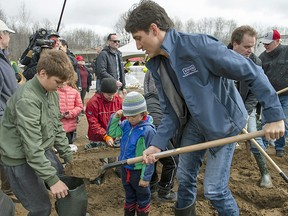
[116,41]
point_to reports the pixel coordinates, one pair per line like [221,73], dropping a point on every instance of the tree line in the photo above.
[24,26]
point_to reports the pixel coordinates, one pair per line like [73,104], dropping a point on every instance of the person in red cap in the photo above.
[275,66]
[86,77]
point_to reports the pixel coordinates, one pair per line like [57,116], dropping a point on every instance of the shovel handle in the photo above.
[282,90]
[268,158]
[200,146]
[211,144]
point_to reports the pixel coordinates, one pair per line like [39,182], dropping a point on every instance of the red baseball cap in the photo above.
[270,36]
[79,58]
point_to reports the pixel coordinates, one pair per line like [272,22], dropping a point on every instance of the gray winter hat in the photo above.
[134,103]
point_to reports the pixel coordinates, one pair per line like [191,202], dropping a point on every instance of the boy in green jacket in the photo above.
[30,127]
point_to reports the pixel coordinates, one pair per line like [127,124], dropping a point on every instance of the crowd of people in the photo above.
[196,89]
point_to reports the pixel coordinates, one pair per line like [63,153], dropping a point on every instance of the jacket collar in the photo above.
[38,87]
[167,45]
[169,41]
[104,99]
[276,51]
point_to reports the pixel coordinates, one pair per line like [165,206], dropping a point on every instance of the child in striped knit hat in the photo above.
[136,131]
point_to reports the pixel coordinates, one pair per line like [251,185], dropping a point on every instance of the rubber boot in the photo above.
[187,211]
[143,211]
[129,210]
[266,180]
[165,194]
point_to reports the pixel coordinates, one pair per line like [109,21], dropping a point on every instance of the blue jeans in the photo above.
[216,175]
[281,142]
[98,85]
[251,127]
[133,192]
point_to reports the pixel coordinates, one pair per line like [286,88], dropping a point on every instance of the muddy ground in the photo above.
[107,199]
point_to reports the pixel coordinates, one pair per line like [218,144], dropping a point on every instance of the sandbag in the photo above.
[75,203]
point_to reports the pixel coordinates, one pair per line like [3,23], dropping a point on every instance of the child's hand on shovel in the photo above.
[148,157]
[274,130]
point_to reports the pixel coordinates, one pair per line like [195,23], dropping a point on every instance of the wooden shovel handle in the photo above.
[201,146]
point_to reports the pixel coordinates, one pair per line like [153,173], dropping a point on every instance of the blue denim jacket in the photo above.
[205,70]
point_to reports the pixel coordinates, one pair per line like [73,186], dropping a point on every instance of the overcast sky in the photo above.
[101,15]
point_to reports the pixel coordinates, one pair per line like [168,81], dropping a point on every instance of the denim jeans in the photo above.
[251,127]
[281,142]
[216,175]
[133,192]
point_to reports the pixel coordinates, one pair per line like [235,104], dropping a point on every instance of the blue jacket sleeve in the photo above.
[227,63]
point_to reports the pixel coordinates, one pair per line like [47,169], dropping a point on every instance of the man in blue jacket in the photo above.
[194,76]
[8,86]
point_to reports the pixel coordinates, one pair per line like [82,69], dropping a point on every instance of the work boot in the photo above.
[165,194]
[129,210]
[266,180]
[187,211]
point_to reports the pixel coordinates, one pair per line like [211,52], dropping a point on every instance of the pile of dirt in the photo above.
[108,198]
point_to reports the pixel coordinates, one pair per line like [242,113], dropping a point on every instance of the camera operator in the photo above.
[64,47]
[40,40]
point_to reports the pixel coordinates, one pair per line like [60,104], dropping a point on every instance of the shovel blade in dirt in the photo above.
[196,147]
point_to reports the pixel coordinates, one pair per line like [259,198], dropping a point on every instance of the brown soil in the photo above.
[108,198]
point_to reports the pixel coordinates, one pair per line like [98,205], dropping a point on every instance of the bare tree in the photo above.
[82,39]
[205,25]
[88,39]
[119,27]
[190,26]
[20,40]
[178,25]
[2,15]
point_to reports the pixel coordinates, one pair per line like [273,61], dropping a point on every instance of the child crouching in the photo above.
[136,132]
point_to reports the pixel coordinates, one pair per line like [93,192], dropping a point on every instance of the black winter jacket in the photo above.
[275,66]
[107,67]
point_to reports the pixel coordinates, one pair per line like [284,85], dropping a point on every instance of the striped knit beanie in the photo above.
[134,103]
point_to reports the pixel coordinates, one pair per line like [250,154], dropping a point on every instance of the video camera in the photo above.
[40,34]
[42,43]
[45,43]
[37,41]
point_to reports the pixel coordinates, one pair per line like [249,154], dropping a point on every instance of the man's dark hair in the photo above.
[110,35]
[63,42]
[142,15]
[238,33]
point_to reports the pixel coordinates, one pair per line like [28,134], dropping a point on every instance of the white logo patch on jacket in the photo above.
[189,70]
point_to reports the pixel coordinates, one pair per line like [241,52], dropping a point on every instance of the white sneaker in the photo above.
[73,147]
